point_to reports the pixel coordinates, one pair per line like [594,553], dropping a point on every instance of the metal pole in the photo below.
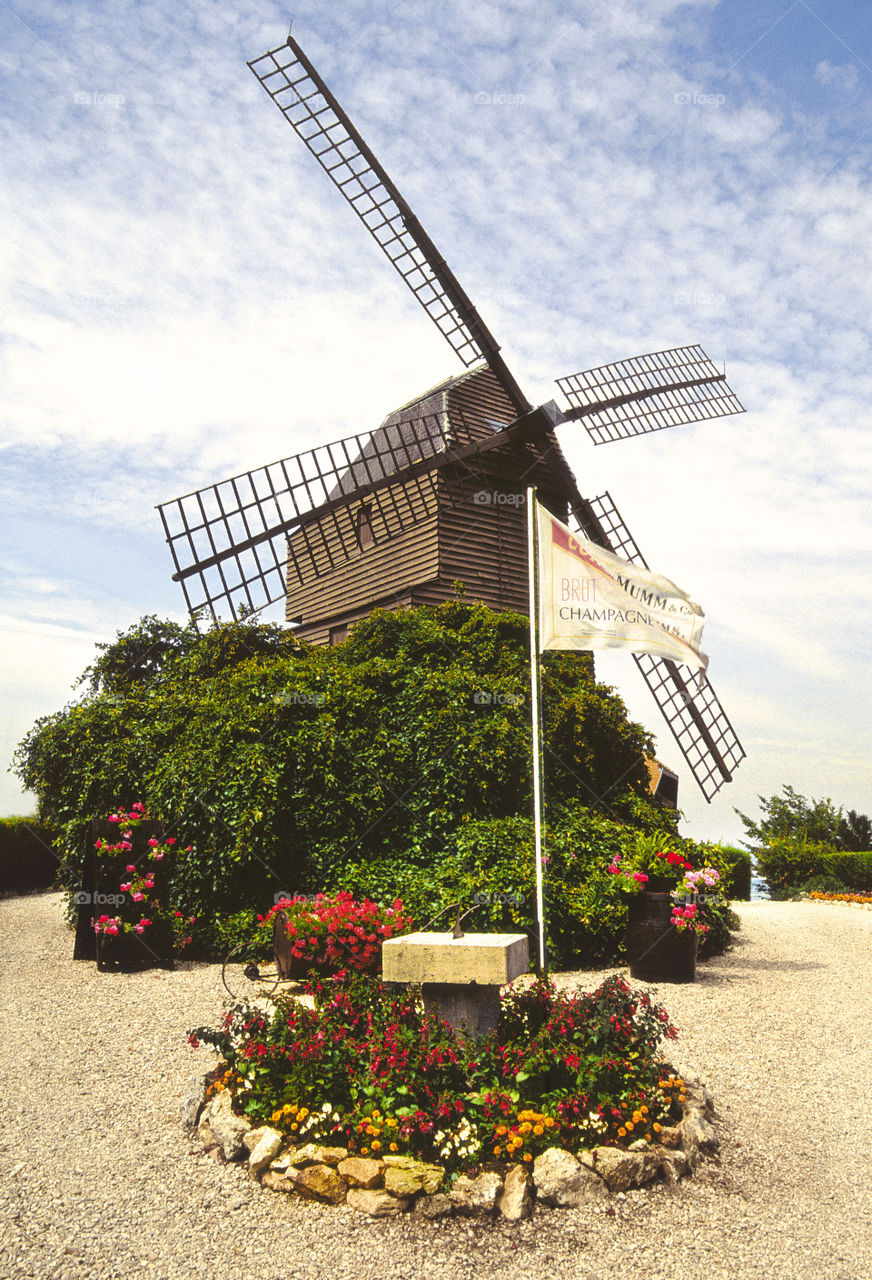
[533,564]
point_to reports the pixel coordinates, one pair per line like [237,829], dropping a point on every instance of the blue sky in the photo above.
[185,296]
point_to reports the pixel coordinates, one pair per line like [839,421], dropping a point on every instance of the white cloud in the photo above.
[844,77]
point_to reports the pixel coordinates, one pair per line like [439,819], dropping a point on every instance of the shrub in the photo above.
[736,871]
[369,1069]
[788,865]
[27,858]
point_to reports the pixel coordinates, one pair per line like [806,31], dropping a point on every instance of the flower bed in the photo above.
[853,899]
[576,1082]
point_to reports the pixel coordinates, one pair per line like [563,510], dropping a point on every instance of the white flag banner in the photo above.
[590,599]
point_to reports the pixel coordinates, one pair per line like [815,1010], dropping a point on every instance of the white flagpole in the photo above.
[533,569]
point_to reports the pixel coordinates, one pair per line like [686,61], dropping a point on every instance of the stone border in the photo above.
[397,1184]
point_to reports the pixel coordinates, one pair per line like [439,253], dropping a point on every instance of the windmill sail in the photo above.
[686,699]
[247,540]
[648,393]
[317,118]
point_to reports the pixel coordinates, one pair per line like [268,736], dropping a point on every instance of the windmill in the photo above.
[396,515]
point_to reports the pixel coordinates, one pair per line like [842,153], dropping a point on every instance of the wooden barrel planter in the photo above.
[656,950]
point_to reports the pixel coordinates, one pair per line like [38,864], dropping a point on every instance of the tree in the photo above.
[791,817]
[855,832]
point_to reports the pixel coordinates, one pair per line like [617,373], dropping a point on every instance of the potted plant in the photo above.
[664,922]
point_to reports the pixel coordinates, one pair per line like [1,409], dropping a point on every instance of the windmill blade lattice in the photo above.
[686,699]
[317,118]
[246,540]
[648,393]
[229,541]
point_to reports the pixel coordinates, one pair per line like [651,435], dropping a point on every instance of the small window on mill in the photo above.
[364,527]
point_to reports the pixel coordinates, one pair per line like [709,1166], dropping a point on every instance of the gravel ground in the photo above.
[99,1181]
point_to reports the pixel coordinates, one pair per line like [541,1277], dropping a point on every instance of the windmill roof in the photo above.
[416,430]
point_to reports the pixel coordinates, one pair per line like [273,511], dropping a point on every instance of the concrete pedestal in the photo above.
[460,977]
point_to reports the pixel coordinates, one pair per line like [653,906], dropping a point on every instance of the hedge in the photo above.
[737,878]
[788,866]
[27,859]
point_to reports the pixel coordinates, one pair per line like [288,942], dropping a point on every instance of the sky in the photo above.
[185,296]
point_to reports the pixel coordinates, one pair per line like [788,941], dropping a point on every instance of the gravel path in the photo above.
[97,1179]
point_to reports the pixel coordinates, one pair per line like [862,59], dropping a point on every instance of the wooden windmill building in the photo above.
[409,544]
[434,496]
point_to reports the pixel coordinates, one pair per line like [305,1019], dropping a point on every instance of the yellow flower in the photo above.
[289,1109]
[622,1132]
[303,1112]
[501,1129]
[548,1122]
[525,1127]
[527,1155]
[394,1147]
[498,1151]
[538,1130]
[391,1123]
[644,1110]
[376,1146]
[276,1115]
[656,1127]
[637,1116]
[364,1150]
[630,1126]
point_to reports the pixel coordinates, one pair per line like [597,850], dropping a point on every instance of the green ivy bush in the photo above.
[288,766]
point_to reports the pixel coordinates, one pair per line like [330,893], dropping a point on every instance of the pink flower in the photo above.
[640,877]
[125,888]
[138,897]
[131,867]
[152,843]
